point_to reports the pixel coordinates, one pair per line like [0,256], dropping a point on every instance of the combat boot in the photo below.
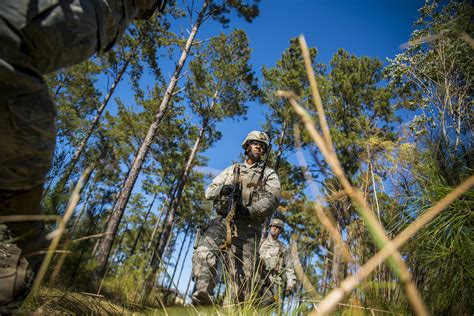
[204,286]
[16,275]
[201,298]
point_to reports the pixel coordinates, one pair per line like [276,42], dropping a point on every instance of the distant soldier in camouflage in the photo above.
[36,38]
[259,196]
[275,265]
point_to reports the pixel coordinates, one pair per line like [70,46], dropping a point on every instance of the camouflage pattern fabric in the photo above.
[241,264]
[276,265]
[39,37]
[260,201]
[27,142]
[16,275]
[258,136]
[19,246]
[204,270]
[238,262]
[240,259]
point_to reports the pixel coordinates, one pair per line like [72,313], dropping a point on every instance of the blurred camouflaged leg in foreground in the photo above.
[39,37]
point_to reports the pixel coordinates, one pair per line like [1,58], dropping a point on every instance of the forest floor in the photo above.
[50,301]
[55,301]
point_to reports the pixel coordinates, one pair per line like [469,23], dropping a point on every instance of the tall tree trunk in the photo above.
[62,182]
[184,260]
[142,226]
[119,246]
[158,221]
[179,257]
[187,286]
[79,216]
[163,220]
[104,229]
[336,256]
[68,237]
[167,256]
[97,243]
[153,259]
[179,193]
[149,246]
[325,276]
[77,265]
[303,265]
[124,195]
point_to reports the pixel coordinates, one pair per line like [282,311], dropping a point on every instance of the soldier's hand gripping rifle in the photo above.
[232,204]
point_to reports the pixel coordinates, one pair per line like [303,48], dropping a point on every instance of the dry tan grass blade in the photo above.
[57,234]
[464,36]
[315,91]
[299,269]
[322,216]
[375,229]
[350,283]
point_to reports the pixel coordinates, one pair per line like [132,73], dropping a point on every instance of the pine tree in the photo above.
[220,83]
[433,76]
[209,9]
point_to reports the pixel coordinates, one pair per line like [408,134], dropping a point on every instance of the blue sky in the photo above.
[364,28]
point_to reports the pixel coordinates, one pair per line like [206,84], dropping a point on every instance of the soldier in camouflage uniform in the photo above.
[36,38]
[275,262]
[256,203]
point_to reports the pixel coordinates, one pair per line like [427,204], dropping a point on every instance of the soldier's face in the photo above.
[256,150]
[274,231]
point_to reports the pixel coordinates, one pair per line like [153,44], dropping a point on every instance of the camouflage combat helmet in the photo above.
[277,222]
[258,136]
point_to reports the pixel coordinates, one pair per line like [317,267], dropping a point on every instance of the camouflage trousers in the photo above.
[237,262]
[26,148]
[39,37]
[270,289]
[20,243]
[36,37]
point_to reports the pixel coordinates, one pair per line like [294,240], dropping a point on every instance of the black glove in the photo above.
[226,190]
[242,212]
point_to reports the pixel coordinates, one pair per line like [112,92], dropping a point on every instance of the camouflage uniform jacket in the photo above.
[276,261]
[260,201]
[38,37]
[57,33]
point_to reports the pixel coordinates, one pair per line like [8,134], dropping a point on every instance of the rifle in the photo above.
[232,203]
[259,184]
[198,237]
